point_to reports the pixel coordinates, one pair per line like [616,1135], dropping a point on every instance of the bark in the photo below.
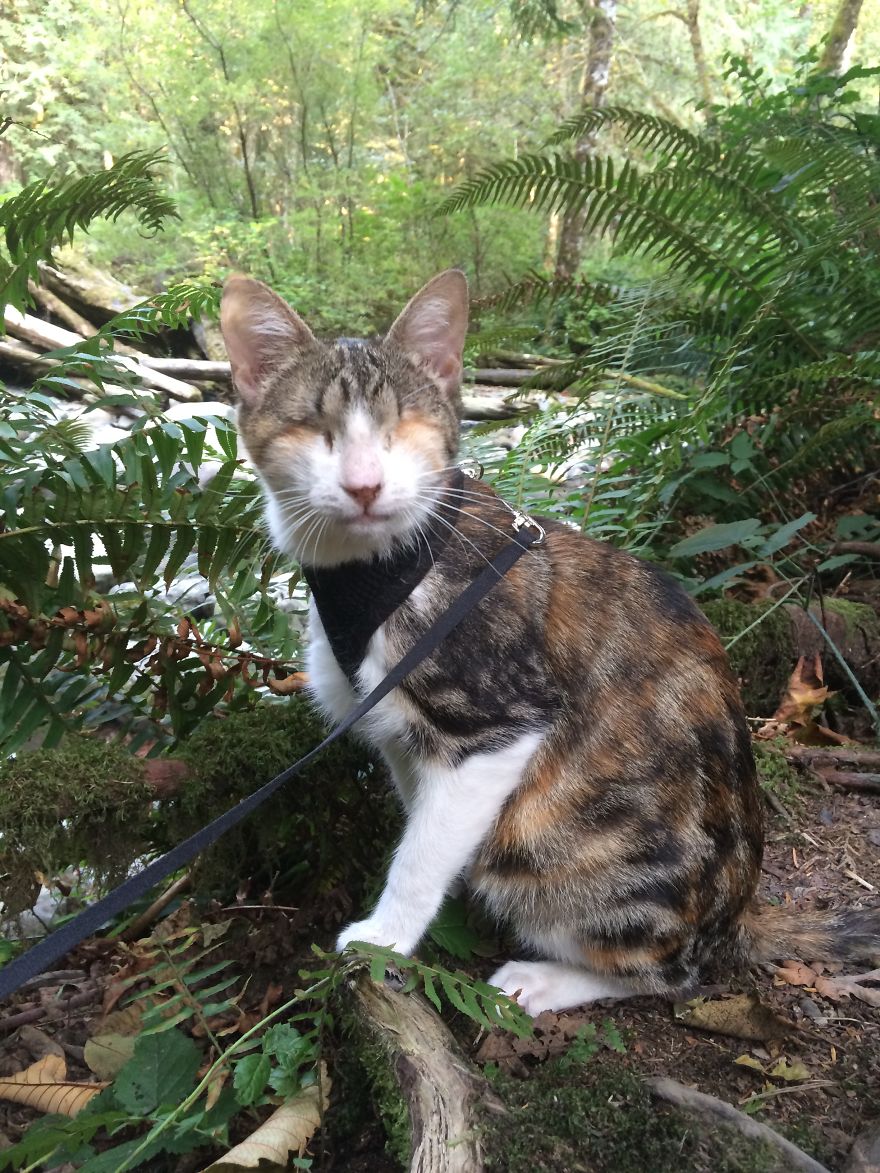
[693,24]
[446,1097]
[594,93]
[834,55]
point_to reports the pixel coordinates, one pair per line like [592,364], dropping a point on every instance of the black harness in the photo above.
[355,598]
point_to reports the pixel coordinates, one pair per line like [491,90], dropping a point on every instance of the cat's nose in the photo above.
[365,495]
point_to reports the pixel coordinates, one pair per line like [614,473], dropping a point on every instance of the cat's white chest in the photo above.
[387,723]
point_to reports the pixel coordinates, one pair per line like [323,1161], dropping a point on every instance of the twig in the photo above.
[685,1097]
[858,879]
[35,1013]
[147,917]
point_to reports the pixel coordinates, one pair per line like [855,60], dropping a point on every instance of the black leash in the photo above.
[86,923]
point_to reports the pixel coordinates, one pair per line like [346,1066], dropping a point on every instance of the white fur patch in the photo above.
[452,811]
[549,985]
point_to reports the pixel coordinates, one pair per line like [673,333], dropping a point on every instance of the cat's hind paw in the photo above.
[549,985]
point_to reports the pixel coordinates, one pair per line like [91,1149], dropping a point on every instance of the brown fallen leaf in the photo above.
[830,985]
[743,1016]
[796,716]
[805,693]
[288,1130]
[846,985]
[796,973]
[42,1086]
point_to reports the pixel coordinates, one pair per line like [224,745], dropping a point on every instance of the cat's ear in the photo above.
[260,331]
[432,327]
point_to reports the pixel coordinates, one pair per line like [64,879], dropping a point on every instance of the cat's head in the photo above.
[352,439]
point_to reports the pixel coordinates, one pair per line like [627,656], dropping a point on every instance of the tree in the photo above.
[600,17]
[840,36]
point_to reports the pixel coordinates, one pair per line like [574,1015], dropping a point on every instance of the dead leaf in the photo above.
[42,1086]
[796,973]
[792,1072]
[846,985]
[288,1130]
[107,1054]
[832,986]
[743,1016]
[804,696]
[295,682]
[749,1061]
[805,693]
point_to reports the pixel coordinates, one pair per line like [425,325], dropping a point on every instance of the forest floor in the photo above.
[809,1066]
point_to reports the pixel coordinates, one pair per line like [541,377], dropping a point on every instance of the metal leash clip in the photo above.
[523,521]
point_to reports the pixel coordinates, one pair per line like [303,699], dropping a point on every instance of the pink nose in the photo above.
[365,495]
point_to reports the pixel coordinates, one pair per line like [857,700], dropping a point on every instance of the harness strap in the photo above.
[84,924]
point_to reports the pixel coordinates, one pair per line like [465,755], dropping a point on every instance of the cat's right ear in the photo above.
[261,333]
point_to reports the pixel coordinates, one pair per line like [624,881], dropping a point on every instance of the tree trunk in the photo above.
[594,92]
[693,23]
[834,55]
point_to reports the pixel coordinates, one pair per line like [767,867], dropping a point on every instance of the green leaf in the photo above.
[250,1078]
[161,1071]
[717,537]
[781,537]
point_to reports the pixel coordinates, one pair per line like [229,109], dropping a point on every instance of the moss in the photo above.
[859,619]
[365,1090]
[329,825]
[601,1118]
[763,658]
[84,802]
[775,772]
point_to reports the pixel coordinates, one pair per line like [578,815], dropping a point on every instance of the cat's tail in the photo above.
[774,933]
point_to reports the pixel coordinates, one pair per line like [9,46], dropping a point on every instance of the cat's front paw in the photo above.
[374,931]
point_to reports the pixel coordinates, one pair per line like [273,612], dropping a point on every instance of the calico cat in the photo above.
[577,748]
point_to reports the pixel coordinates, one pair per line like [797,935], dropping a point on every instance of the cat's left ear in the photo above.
[432,327]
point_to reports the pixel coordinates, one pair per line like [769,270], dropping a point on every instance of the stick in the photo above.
[40,333]
[35,1013]
[53,303]
[147,917]
[445,1095]
[685,1097]
[844,753]
[851,780]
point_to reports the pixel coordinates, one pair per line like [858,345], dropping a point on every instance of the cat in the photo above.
[576,749]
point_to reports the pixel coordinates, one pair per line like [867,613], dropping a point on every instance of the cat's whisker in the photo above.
[480,520]
[462,538]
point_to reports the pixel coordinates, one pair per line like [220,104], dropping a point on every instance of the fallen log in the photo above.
[832,755]
[445,1096]
[54,305]
[850,780]
[49,337]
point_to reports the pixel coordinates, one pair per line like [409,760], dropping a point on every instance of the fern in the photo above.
[484,1004]
[43,215]
[763,231]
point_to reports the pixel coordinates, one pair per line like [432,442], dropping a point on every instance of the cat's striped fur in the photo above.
[577,747]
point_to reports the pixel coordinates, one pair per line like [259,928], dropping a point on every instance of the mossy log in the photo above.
[775,636]
[445,1098]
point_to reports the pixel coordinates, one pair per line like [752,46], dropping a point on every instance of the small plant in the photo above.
[590,1040]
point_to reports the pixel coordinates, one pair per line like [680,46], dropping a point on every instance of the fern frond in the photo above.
[43,215]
